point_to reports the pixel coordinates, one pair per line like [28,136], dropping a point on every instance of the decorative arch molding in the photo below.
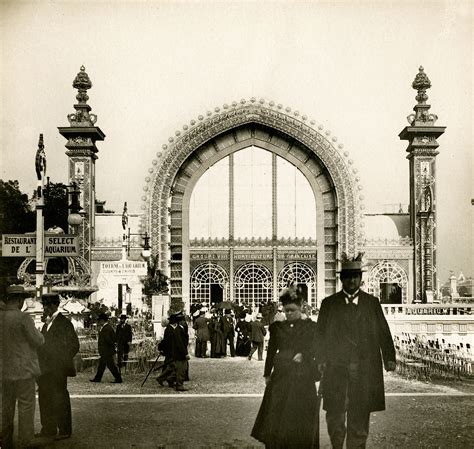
[388,272]
[190,152]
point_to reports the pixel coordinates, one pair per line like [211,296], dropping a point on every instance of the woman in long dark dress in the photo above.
[244,344]
[289,415]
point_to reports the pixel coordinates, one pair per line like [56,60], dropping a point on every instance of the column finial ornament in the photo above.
[82,117]
[421,84]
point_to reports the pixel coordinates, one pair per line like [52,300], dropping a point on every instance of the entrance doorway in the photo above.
[216,293]
[390,293]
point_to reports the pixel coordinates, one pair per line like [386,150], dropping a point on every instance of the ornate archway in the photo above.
[271,127]
[391,274]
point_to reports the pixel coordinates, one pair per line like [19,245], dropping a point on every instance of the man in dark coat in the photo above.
[229,332]
[202,334]
[352,339]
[257,336]
[56,362]
[106,344]
[20,369]
[175,349]
[124,338]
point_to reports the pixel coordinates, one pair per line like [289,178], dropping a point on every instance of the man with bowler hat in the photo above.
[106,344]
[124,338]
[353,342]
[56,362]
[20,369]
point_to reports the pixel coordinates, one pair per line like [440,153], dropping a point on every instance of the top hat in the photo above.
[50,297]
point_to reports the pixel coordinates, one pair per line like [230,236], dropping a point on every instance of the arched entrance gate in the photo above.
[271,127]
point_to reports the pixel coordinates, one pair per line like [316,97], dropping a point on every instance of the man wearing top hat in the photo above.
[106,345]
[353,343]
[174,346]
[56,362]
[124,338]
[20,369]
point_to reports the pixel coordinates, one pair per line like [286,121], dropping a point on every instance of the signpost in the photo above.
[24,245]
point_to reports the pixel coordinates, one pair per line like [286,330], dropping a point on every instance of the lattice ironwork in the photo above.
[202,279]
[386,272]
[253,285]
[299,273]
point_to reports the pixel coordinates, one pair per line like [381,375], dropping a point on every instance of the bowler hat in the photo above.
[123,316]
[103,317]
[16,290]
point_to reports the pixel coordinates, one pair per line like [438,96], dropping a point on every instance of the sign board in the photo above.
[23,245]
[123,267]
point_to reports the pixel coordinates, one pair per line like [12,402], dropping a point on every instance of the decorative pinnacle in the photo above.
[82,83]
[40,142]
[421,84]
[82,116]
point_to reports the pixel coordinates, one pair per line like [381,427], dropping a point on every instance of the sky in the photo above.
[156,65]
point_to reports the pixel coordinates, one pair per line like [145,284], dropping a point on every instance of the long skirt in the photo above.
[289,413]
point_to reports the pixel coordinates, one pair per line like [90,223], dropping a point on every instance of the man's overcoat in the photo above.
[333,347]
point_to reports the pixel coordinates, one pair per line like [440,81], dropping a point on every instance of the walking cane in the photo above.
[151,369]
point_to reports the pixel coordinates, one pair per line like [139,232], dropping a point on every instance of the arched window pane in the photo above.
[253,193]
[209,207]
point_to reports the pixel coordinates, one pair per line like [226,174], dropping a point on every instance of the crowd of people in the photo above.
[346,350]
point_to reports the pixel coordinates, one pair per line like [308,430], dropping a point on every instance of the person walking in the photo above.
[243,330]
[202,334]
[353,343]
[257,336]
[229,332]
[124,337]
[175,349]
[216,329]
[20,370]
[289,415]
[106,345]
[56,362]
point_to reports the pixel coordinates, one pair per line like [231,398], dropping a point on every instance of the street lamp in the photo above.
[74,218]
[146,252]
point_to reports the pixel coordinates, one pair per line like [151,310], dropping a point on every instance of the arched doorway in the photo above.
[209,284]
[302,275]
[204,142]
[388,282]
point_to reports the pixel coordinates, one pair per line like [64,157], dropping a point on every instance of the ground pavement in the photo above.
[223,399]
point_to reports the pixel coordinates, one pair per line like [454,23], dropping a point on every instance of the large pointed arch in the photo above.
[268,126]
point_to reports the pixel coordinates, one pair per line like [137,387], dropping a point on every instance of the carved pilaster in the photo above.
[81,137]
[422,151]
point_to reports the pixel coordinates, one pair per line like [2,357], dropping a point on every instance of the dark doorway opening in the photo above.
[390,293]
[217,294]
[304,291]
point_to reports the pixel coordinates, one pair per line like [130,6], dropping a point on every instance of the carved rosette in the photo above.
[184,143]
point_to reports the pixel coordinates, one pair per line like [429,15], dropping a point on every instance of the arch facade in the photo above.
[388,272]
[202,143]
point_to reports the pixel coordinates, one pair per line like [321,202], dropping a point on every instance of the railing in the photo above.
[405,310]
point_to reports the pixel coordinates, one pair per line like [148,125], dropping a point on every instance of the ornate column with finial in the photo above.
[422,151]
[81,135]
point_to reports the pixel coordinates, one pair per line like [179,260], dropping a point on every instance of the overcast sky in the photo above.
[157,65]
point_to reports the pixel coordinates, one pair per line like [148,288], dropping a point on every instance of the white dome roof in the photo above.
[380,227]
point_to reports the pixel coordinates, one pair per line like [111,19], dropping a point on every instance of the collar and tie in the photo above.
[352,299]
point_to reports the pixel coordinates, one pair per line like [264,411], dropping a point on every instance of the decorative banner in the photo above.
[21,245]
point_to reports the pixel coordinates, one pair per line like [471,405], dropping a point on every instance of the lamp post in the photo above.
[40,166]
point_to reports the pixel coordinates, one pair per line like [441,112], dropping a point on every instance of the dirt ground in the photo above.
[419,414]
